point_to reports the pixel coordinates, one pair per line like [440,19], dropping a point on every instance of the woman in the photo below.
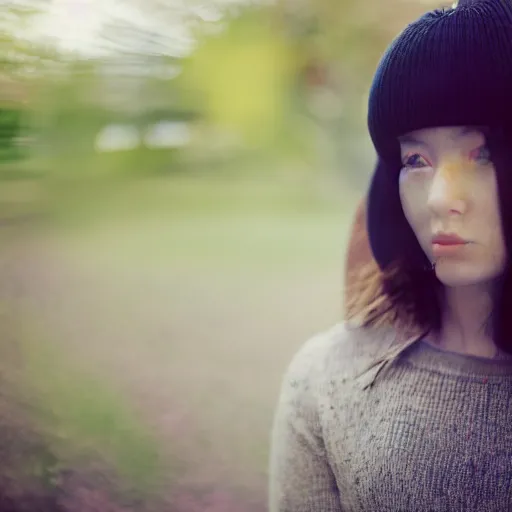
[408,405]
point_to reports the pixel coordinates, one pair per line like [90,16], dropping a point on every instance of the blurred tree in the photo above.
[10,125]
[338,45]
[21,58]
[261,71]
[242,76]
[24,66]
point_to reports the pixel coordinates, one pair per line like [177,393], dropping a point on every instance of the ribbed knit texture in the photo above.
[448,68]
[434,433]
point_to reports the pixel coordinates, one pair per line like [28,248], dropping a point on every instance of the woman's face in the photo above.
[449,196]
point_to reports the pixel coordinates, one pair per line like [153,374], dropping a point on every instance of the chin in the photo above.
[455,273]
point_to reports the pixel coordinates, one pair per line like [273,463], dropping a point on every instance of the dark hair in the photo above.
[451,67]
[500,145]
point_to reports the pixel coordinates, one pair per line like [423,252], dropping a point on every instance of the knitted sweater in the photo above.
[433,432]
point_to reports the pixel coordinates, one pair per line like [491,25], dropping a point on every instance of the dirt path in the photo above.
[199,352]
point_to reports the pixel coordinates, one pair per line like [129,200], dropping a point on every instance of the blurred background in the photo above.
[177,182]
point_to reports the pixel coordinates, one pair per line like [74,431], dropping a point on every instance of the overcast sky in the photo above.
[73,24]
[76,24]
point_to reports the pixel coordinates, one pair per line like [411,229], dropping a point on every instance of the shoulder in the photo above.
[341,351]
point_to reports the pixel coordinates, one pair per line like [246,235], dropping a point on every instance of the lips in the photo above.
[446,245]
[448,239]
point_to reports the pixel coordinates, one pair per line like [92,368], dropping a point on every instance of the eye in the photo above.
[415,161]
[482,155]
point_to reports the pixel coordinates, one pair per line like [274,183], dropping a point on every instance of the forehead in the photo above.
[456,135]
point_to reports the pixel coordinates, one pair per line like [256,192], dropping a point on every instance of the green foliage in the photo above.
[10,130]
[241,77]
[86,418]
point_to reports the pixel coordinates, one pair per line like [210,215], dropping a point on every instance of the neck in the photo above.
[465,315]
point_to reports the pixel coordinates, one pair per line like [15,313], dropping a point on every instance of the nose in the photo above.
[448,195]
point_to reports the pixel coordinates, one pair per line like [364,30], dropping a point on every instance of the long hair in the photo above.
[374,297]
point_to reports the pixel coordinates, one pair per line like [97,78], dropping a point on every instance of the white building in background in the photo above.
[117,137]
[161,135]
[168,134]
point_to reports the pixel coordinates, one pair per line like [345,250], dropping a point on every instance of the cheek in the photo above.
[486,202]
[489,220]
[414,199]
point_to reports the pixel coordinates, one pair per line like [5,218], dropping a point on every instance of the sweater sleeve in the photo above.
[301,479]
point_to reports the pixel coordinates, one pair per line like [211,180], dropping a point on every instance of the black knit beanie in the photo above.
[451,67]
